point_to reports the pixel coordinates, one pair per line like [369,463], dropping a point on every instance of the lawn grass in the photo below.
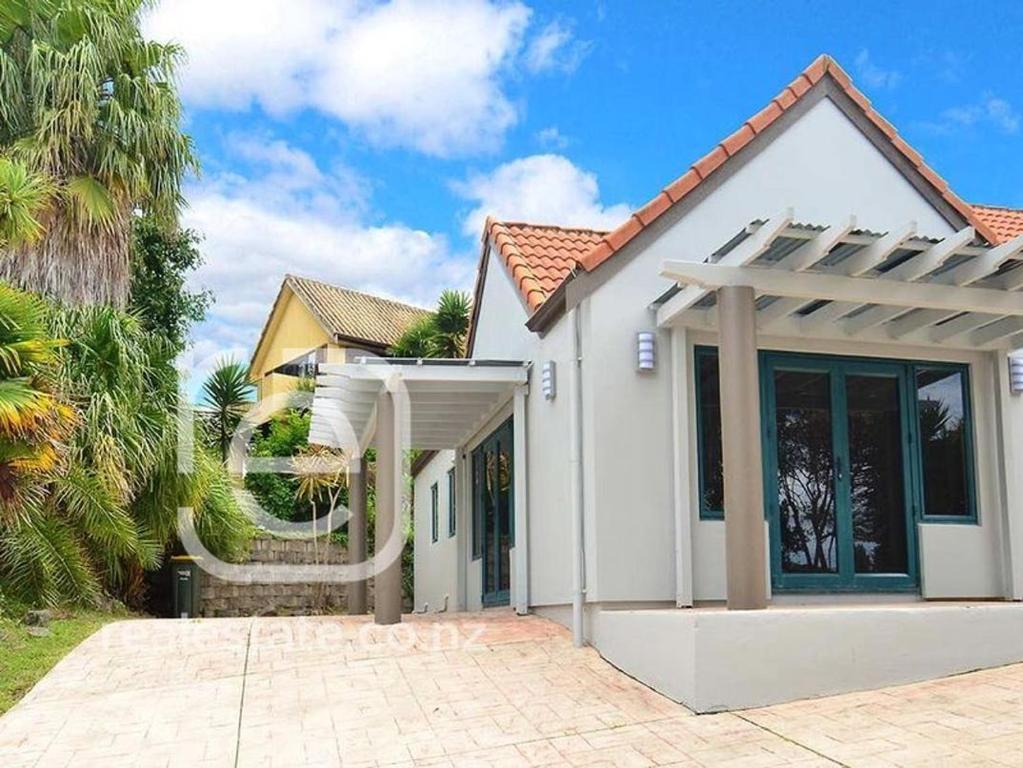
[25,659]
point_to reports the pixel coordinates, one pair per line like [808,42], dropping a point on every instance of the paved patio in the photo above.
[460,690]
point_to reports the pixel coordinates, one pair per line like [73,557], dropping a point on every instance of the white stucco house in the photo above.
[786,382]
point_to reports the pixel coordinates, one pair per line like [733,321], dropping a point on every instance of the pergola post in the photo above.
[521,507]
[387,578]
[357,533]
[743,463]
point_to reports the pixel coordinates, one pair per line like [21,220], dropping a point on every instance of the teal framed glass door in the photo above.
[838,484]
[493,506]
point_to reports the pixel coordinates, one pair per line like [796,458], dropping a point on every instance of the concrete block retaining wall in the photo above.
[228,598]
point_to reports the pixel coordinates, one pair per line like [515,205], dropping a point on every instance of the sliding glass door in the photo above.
[839,491]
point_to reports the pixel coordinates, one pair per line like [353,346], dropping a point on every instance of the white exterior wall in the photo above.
[501,334]
[436,563]
[826,169]
[501,331]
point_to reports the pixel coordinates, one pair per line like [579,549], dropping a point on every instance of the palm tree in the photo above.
[451,322]
[33,421]
[439,334]
[228,393]
[90,105]
[92,500]
[23,197]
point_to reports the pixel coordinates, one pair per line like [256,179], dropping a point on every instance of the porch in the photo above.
[834,349]
[712,659]
[399,405]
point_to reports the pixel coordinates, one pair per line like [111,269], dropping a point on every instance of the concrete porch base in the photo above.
[713,660]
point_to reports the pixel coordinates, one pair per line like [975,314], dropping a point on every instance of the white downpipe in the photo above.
[576,475]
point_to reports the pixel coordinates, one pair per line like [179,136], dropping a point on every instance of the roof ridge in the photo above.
[994,207]
[404,304]
[674,192]
[563,228]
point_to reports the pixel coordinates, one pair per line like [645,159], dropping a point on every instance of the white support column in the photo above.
[745,555]
[387,559]
[1010,423]
[357,532]
[521,471]
[463,523]
[681,424]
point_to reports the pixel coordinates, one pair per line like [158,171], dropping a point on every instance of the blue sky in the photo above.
[363,143]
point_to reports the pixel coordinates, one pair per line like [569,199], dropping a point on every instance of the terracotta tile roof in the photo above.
[355,315]
[1005,223]
[712,161]
[539,257]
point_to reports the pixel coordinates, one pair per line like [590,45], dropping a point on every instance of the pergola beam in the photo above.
[744,253]
[927,261]
[874,255]
[983,266]
[813,286]
[800,260]
[996,331]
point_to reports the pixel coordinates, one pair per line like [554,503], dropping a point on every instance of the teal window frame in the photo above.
[845,579]
[969,446]
[912,368]
[452,522]
[434,513]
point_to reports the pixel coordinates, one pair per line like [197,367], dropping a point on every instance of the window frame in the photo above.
[912,368]
[452,519]
[434,513]
[969,446]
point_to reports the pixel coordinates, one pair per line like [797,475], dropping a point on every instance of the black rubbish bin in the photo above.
[187,594]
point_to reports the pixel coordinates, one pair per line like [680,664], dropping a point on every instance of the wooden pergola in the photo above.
[400,404]
[835,282]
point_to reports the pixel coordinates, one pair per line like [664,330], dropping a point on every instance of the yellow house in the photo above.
[314,322]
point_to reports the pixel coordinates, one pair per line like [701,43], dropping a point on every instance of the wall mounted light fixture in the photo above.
[548,380]
[645,350]
[1016,375]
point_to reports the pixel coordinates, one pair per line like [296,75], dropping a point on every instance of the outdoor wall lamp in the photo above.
[645,350]
[1016,375]
[548,381]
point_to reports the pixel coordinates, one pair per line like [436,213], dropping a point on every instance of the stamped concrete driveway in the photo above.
[460,690]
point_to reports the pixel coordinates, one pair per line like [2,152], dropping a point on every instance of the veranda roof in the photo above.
[837,281]
[442,403]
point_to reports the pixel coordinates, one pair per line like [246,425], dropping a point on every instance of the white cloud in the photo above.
[551,138]
[544,189]
[425,74]
[555,48]
[990,109]
[874,76]
[257,230]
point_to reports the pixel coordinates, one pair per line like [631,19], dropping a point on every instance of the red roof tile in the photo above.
[1005,223]
[539,257]
[713,160]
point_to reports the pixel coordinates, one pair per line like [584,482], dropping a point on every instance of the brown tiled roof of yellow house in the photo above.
[353,315]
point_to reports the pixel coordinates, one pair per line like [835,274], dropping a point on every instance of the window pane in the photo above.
[711,465]
[876,477]
[451,502]
[806,487]
[941,401]
[434,512]
[477,503]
